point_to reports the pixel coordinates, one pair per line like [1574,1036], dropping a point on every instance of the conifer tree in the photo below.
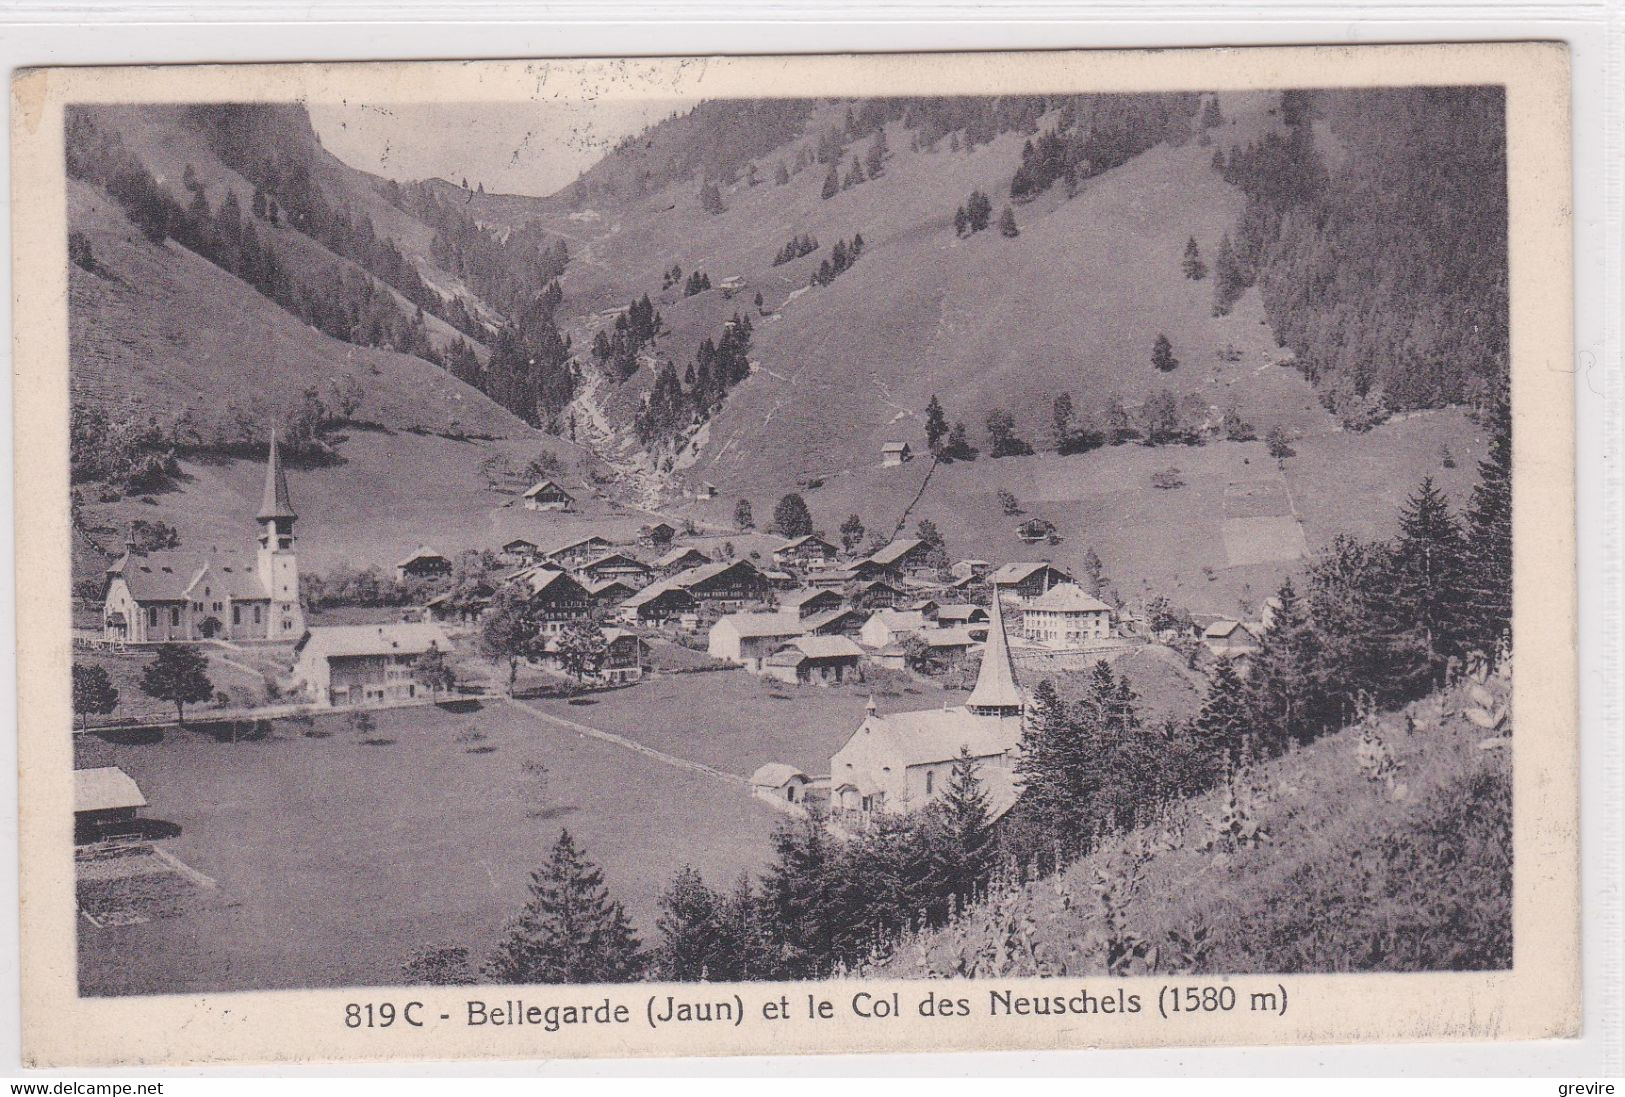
[1428,588]
[1284,687]
[851,533]
[1061,416]
[1228,281]
[1194,268]
[1007,223]
[791,518]
[875,160]
[796,895]
[1487,604]
[832,183]
[1093,573]
[1051,770]
[965,846]
[1223,727]
[743,518]
[936,423]
[1162,354]
[692,930]
[957,447]
[570,930]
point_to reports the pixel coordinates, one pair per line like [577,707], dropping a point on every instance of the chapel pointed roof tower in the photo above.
[275,503]
[996,692]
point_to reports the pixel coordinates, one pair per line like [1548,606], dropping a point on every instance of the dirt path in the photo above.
[733,780]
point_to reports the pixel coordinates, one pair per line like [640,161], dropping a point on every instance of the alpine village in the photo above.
[1060,535]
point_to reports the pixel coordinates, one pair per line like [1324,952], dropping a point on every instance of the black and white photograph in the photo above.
[696,539]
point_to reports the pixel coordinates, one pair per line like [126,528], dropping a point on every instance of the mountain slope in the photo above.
[1073,304]
[1383,847]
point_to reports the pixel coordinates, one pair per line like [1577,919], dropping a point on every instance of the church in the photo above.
[901,761]
[179,595]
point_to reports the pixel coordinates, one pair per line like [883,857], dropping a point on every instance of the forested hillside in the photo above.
[1375,229]
[1123,250]
[760,293]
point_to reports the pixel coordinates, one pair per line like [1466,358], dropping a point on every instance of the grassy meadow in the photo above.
[338,853]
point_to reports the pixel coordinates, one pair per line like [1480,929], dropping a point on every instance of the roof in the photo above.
[680,553]
[274,503]
[948,638]
[893,447]
[798,598]
[805,538]
[422,552]
[1015,573]
[1221,628]
[776,775]
[105,789]
[996,679]
[655,590]
[900,620]
[519,542]
[597,589]
[827,647]
[1069,598]
[610,635]
[960,611]
[834,577]
[579,542]
[763,624]
[543,579]
[936,734]
[172,576]
[543,485]
[895,551]
[611,556]
[705,572]
[403,638]
[819,621]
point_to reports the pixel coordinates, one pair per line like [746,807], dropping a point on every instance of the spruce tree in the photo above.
[1192,264]
[692,930]
[936,423]
[570,930]
[1228,281]
[832,183]
[1428,588]
[1162,354]
[1007,223]
[1053,769]
[1284,688]
[1062,415]
[1223,727]
[1487,581]
[795,895]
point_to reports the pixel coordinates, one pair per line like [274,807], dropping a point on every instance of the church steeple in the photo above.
[278,563]
[275,503]
[996,692]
